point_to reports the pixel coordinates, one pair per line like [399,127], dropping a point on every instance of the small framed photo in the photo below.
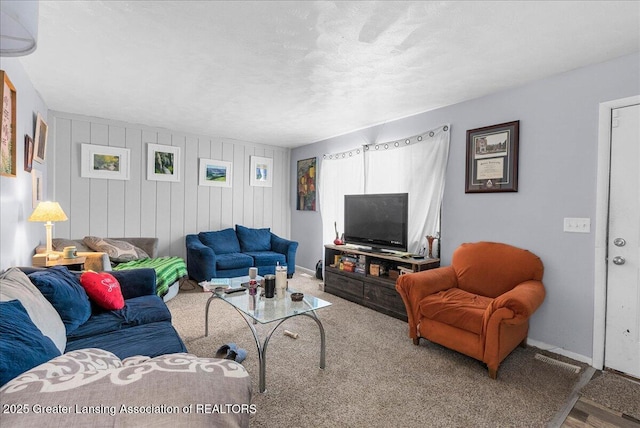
[215,173]
[111,163]
[163,162]
[492,158]
[37,188]
[28,153]
[40,147]
[261,172]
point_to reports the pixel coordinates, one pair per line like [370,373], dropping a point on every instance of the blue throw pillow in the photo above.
[22,344]
[254,239]
[221,242]
[63,290]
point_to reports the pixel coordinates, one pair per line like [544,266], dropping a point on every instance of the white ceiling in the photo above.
[291,73]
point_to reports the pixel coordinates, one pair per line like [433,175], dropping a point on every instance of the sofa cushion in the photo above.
[58,244]
[233,261]
[103,289]
[138,310]
[22,344]
[268,258]
[63,290]
[457,308]
[221,242]
[15,284]
[153,339]
[118,251]
[253,239]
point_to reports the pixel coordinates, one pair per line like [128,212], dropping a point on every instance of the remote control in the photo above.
[234,290]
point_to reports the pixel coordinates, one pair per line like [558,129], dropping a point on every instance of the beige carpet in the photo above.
[615,392]
[374,376]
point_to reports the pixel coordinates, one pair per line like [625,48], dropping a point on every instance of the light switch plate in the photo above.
[577,225]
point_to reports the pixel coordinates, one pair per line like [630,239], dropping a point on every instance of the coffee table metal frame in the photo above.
[250,319]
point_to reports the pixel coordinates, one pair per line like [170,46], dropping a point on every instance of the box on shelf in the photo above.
[394,273]
[374,269]
[403,270]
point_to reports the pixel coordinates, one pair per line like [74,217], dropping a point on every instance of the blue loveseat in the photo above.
[59,306]
[230,253]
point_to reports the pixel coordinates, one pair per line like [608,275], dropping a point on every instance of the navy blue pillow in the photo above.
[254,239]
[22,344]
[221,242]
[63,290]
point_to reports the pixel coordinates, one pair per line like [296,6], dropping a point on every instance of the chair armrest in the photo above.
[522,301]
[136,282]
[201,260]
[414,287]
[288,248]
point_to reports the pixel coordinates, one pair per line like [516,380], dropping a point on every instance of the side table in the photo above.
[40,260]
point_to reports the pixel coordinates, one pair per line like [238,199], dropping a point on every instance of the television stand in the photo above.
[373,291]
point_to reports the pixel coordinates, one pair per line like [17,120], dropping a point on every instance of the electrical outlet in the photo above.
[577,225]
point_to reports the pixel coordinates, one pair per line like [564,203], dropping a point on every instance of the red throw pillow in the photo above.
[103,289]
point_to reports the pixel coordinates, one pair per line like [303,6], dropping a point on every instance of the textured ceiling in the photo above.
[291,73]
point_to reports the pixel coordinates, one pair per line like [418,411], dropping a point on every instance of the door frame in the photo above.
[602,223]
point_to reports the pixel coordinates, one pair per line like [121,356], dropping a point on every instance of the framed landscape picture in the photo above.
[7,127]
[215,173]
[111,163]
[492,158]
[163,163]
[37,188]
[261,172]
[40,140]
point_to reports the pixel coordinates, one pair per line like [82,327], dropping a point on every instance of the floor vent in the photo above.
[557,363]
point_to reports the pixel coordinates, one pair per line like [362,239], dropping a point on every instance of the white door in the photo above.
[622,342]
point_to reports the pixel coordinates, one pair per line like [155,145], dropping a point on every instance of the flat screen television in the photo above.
[379,221]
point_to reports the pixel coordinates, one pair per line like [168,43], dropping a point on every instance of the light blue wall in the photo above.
[18,237]
[557,178]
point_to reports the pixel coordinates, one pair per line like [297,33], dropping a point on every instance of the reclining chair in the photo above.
[480,305]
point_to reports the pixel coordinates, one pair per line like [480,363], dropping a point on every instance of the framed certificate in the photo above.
[492,158]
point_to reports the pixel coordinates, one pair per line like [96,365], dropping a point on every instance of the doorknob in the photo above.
[617,260]
[619,242]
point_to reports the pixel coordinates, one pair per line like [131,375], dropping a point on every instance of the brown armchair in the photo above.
[480,305]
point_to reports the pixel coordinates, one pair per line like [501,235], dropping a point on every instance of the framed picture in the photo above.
[492,158]
[7,127]
[215,173]
[40,139]
[107,162]
[163,162]
[28,153]
[37,188]
[306,185]
[261,171]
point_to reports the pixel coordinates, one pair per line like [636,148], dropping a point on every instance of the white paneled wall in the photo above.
[167,210]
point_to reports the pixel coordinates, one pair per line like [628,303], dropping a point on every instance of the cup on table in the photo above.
[269,285]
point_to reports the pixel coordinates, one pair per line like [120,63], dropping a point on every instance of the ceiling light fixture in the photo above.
[18,27]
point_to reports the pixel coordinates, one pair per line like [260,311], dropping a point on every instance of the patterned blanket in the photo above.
[168,270]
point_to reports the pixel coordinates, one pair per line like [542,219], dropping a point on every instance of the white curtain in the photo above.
[415,165]
[340,174]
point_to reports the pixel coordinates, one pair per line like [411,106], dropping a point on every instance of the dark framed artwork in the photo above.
[492,158]
[28,153]
[306,185]
[40,139]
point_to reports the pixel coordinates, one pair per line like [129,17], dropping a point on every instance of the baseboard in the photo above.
[300,269]
[560,351]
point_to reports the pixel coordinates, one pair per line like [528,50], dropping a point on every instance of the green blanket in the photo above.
[168,270]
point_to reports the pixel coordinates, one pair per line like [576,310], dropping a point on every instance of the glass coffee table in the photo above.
[258,309]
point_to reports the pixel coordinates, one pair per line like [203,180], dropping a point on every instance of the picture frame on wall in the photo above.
[492,158]
[306,184]
[163,162]
[261,170]
[37,188]
[7,127]
[40,139]
[111,163]
[28,153]
[215,173]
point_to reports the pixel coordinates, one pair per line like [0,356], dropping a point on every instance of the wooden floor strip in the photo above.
[587,413]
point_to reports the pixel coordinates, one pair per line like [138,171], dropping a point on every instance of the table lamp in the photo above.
[48,212]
